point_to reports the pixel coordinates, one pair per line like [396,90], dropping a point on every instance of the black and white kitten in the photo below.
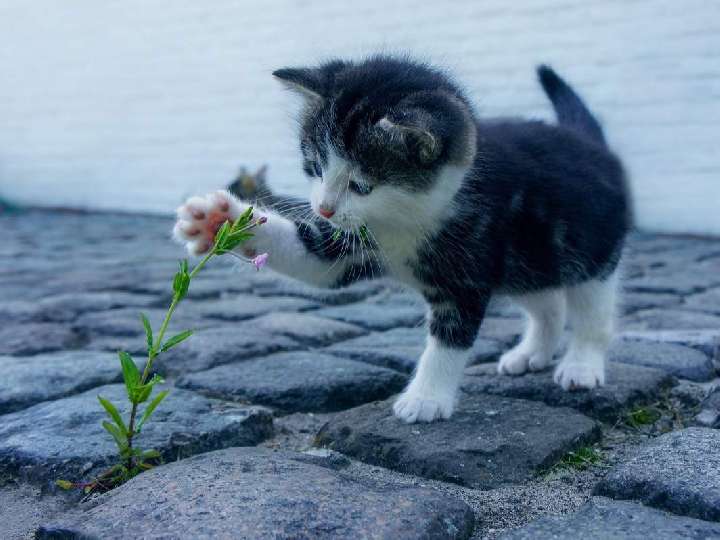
[457,207]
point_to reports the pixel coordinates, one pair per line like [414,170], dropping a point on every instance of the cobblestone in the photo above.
[288,367]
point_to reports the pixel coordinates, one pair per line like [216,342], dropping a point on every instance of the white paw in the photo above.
[518,360]
[199,219]
[578,373]
[412,406]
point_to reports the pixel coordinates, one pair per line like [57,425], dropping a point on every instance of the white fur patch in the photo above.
[545,312]
[591,312]
[432,392]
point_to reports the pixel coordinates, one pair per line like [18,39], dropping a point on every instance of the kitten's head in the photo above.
[383,140]
[250,187]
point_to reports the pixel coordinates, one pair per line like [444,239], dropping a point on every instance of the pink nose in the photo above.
[324,212]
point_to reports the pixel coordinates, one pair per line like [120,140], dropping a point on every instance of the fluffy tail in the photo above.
[570,109]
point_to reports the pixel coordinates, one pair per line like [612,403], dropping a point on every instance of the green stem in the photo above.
[152,354]
[163,328]
[155,350]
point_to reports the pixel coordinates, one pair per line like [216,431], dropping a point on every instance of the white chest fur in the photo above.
[414,219]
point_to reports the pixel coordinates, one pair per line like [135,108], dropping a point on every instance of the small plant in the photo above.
[642,416]
[140,385]
[580,459]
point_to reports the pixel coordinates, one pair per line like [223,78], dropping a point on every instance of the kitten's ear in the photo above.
[261,174]
[308,82]
[414,137]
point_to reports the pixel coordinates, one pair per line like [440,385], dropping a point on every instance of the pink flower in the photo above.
[261,220]
[260,261]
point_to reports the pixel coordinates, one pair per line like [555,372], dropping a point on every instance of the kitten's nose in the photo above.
[326,213]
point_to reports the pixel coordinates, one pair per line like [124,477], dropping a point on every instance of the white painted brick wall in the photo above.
[134,104]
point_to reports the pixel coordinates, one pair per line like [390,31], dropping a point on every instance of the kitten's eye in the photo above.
[360,189]
[317,169]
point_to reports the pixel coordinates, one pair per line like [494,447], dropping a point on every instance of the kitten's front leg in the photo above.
[432,392]
[288,243]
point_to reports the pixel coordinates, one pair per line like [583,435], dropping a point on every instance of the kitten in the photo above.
[251,187]
[407,181]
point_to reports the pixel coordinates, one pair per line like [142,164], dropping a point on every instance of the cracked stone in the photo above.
[305,328]
[489,441]
[504,330]
[211,347]
[677,360]
[670,319]
[67,307]
[298,381]
[261,493]
[30,380]
[245,306]
[268,284]
[632,302]
[679,281]
[65,439]
[377,316]
[401,348]
[601,519]
[709,415]
[705,301]
[126,321]
[706,341]
[626,385]
[35,338]
[678,472]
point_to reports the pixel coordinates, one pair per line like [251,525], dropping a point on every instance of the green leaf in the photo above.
[231,240]
[243,219]
[222,233]
[151,454]
[181,281]
[131,374]
[114,414]
[177,282]
[337,233]
[152,406]
[235,239]
[142,392]
[148,331]
[178,338]
[64,484]
[120,439]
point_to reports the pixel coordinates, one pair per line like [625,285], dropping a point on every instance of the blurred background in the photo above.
[133,105]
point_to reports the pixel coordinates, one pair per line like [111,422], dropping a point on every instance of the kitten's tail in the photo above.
[570,109]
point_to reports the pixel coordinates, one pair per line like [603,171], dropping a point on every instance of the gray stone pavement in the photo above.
[278,422]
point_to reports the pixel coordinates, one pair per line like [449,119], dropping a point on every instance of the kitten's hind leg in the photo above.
[591,312]
[545,311]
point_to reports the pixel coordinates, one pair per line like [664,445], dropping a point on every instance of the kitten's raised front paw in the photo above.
[412,406]
[518,360]
[199,219]
[575,373]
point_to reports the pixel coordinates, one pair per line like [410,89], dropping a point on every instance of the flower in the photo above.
[260,260]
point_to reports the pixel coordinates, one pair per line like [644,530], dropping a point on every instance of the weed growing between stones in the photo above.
[140,385]
[579,460]
[642,416]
